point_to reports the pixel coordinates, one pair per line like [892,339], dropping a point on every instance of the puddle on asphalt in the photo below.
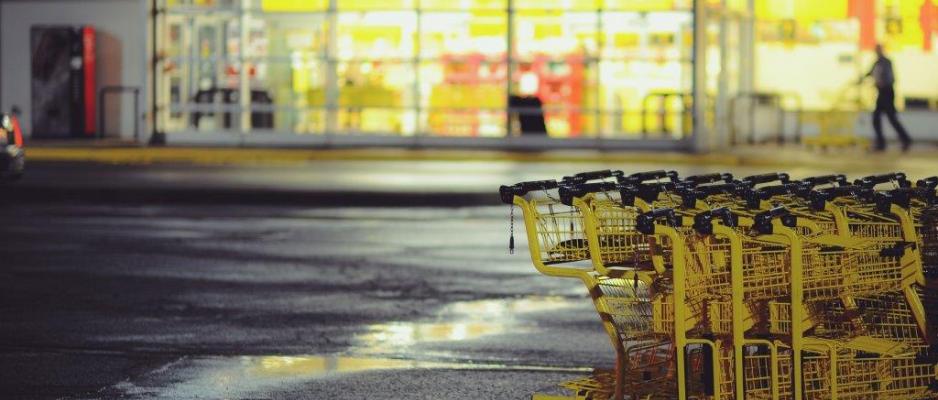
[257,376]
[312,366]
[458,322]
[236,377]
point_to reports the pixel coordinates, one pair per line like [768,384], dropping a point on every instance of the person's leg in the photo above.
[900,130]
[887,103]
[884,101]
[878,129]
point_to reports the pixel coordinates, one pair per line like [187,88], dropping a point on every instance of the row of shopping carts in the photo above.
[765,287]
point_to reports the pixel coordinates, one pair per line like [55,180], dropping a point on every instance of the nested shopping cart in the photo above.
[707,286]
[724,290]
[849,371]
[779,264]
[558,247]
[624,297]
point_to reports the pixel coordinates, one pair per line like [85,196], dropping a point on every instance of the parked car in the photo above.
[12,156]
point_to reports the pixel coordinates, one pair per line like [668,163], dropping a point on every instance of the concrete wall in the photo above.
[121,51]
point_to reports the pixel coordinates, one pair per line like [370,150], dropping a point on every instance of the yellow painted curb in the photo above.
[777,160]
[223,156]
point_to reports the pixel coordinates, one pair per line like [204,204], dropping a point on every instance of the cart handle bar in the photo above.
[819,198]
[929,183]
[584,177]
[508,192]
[902,197]
[627,192]
[763,221]
[766,178]
[873,180]
[689,196]
[840,180]
[569,192]
[703,222]
[645,223]
[642,177]
[754,197]
[696,180]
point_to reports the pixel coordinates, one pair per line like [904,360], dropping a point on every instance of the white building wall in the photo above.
[121,52]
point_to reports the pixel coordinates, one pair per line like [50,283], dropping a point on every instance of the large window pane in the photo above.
[376,35]
[463,96]
[647,5]
[463,34]
[645,73]
[446,5]
[376,96]
[288,59]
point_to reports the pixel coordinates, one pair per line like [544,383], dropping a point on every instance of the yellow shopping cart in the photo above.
[715,288]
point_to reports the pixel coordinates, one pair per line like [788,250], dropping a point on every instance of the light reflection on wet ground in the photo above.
[458,322]
[382,347]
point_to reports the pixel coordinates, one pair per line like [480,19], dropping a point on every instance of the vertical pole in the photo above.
[747,68]
[597,96]
[157,136]
[332,78]
[699,62]
[136,116]
[244,96]
[418,38]
[717,138]
[509,75]
[747,58]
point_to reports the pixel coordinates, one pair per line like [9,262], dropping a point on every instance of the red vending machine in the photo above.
[63,81]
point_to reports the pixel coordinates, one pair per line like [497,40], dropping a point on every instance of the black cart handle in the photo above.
[766,178]
[767,192]
[583,177]
[648,193]
[901,197]
[763,221]
[569,192]
[819,198]
[754,197]
[689,196]
[708,178]
[645,223]
[897,250]
[641,177]
[929,183]
[508,192]
[710,190]
[703,222]
[840,180]
[873,180]
[925,194]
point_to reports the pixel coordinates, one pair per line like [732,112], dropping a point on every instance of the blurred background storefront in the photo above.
[660,74]
[433,71]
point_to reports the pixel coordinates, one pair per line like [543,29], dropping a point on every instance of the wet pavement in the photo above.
[401,182]
[202,302]
[153,299]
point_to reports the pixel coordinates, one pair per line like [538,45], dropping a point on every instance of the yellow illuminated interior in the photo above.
[447,68]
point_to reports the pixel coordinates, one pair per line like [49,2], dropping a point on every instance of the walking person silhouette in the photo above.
[885,78]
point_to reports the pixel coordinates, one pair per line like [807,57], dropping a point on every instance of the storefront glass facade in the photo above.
[600,68]
[623,70]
